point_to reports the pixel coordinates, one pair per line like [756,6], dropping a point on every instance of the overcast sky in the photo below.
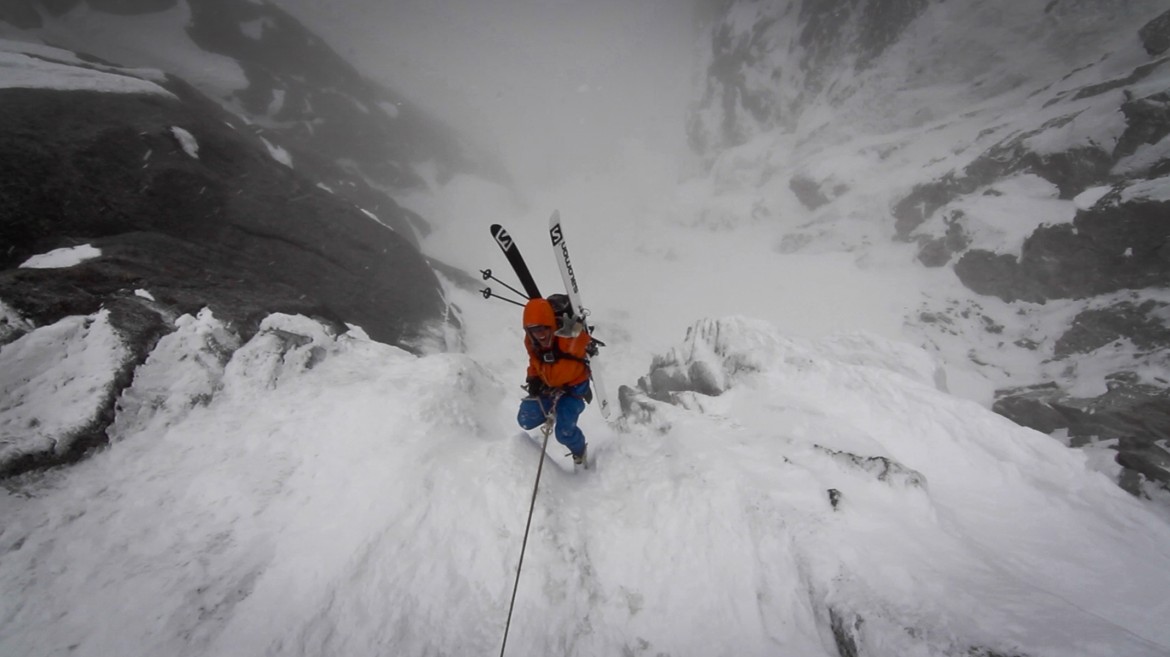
[558,86]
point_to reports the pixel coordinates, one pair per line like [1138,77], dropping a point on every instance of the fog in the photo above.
[556,88]
[586,103]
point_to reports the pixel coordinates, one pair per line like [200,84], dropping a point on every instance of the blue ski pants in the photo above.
[569,407]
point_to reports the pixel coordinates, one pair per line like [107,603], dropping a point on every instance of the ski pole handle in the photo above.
[487,276]
[488,294]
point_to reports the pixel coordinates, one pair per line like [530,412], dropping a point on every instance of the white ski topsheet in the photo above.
[561,251]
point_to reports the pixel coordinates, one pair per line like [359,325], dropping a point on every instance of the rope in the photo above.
[989,558]
[549,418]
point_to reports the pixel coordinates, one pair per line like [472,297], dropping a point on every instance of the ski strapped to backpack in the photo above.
[577,312]
[561,250]
[512,253]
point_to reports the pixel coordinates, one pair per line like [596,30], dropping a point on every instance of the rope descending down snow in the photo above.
[550,417]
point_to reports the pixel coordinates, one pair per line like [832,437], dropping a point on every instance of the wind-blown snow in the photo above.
[63,257]
[315,494]
[1100,126]
[19,70]
[1002,219]
[1144,158]
[1157,189]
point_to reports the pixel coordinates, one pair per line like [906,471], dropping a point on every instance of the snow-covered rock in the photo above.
[184,370]
[58,383]
[166,207]
[720,353]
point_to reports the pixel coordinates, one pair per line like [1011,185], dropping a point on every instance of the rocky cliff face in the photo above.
[1023,145]
[362,140]
[181,210]
[210,158]
[771,60]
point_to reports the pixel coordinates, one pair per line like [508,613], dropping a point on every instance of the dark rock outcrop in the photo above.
[1147,121]
[749,90]
[1141,457]
[808,192]
[1071,171]
[317,102]
[1119,243]
[925,199]
[139,327]
[813,194]
[233,230]
[881,468]
[677,372]
[1155,35]
[1137,415]
[836,31]
[667,377]
[132,7]
[1115,245]
[343,130]
[939,251]
[21,14]
[190,209]
[1095,328]
[846,627]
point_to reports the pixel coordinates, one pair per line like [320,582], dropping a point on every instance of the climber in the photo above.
[558,347]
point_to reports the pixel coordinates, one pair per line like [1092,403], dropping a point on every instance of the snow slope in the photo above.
[332,495]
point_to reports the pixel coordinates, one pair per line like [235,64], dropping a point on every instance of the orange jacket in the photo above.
[565,365]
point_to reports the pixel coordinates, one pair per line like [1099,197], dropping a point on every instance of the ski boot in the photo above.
[581,459]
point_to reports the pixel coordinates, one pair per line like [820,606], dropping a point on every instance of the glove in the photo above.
[535,386]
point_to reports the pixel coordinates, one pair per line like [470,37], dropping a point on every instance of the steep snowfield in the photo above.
[315,494]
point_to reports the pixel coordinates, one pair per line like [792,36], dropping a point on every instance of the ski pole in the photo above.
[487,275]
[488,294]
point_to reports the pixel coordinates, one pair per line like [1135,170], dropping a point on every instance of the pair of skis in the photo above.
[561,252]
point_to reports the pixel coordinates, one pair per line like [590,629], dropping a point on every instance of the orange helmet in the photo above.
[539,312]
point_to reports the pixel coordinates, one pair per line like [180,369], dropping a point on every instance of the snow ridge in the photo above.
[312,493]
